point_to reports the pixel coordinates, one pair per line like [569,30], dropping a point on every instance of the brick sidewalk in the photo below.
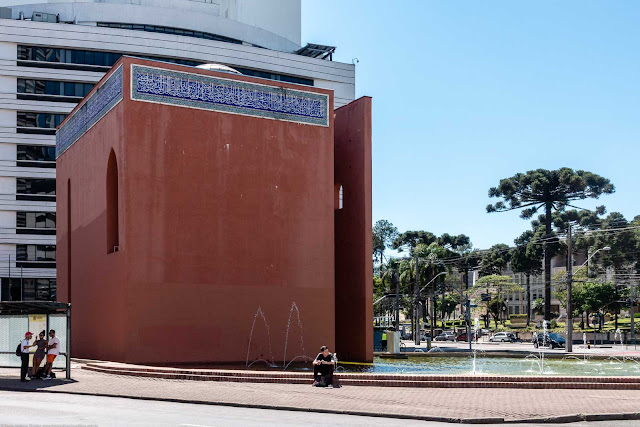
[441,404]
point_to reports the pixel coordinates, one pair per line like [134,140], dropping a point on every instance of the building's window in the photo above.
[274,76]
[36,256]
[516,310]
[40,189]
[338,197]
[81,59]
[41,123]
[51,90]
[36,223]
[170,30]
[37,156]
[39,120]
[113,238]
[101,61]
[28,289]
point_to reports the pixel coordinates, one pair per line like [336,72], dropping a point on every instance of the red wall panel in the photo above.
[354,265]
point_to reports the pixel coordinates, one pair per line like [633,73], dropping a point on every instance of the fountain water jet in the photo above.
[260,313]
[476,326]
[286,338]
[539,359]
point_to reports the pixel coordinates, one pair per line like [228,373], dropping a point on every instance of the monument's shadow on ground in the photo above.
[14,384]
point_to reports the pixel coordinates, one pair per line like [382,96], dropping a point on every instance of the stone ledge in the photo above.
[374,380]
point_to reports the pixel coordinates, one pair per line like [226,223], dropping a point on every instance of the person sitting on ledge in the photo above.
[323,367]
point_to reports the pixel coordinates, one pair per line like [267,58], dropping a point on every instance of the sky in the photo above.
[466,93]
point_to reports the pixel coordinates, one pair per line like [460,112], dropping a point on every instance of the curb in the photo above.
[486,420]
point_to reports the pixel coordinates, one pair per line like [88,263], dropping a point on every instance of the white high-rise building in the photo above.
[53,52]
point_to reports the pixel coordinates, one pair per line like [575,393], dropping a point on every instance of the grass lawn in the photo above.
[624,324]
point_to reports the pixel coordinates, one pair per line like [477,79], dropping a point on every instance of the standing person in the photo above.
[323,369]
[53,350]
[24,356]
[39,355]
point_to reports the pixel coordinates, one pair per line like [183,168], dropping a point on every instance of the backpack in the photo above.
[19,350]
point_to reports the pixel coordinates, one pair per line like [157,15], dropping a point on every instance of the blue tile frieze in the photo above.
[99,103]
[200,91]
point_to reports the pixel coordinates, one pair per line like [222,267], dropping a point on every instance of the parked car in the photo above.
[503,337]
[552,340]
[463,337]
[445,336]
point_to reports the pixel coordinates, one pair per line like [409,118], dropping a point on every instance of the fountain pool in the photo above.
[532,365]
[448,365]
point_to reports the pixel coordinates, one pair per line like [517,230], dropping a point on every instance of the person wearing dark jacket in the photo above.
[323,367]
[24,356]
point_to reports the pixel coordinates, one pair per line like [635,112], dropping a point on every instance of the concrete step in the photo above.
[194,377]
[372,376]
[421,381]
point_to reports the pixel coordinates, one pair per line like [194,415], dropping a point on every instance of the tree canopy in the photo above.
[527,255]
[551,190]
[384,233]
[535,189]
[411,239]
[495,260]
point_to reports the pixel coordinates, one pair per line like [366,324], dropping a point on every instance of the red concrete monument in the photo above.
[208,217]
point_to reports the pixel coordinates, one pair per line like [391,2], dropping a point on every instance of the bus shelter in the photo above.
[18,317]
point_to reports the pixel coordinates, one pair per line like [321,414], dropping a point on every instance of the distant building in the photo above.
[517,302]
[52,53]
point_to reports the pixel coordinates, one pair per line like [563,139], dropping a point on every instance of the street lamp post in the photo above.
[416,333]
[569,344]
[631,311]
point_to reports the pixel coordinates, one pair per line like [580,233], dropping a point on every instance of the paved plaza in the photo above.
[454,405]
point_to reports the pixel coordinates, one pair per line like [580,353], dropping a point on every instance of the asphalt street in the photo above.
[27,408]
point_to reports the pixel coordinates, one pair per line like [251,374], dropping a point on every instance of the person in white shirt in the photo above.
[24,356]
[53,350]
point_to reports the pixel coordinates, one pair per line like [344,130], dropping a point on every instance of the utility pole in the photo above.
[569,345]
[468,320]
[397,308]
[416,327]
